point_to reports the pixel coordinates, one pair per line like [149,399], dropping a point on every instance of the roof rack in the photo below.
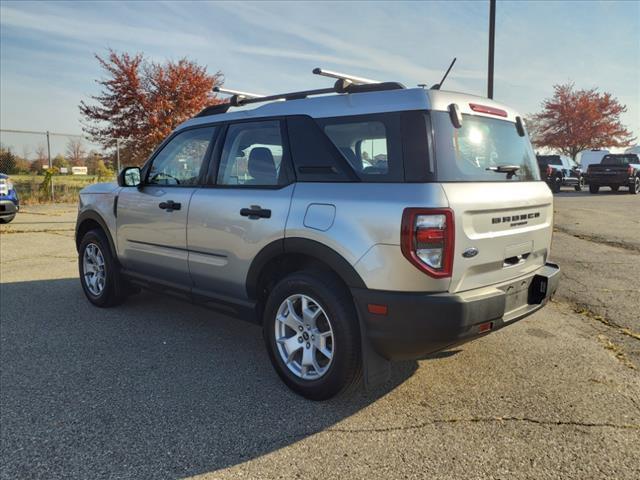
[344,84]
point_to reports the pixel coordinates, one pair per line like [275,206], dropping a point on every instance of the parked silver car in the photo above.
[374,224]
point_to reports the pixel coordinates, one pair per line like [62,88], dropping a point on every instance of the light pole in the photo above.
[492,41]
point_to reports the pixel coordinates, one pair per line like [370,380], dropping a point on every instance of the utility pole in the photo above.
[117,156]
[492,41]
[50,164]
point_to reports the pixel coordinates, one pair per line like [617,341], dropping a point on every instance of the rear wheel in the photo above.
[614,188]
[634,188]
[99,273]
[594,188]
[312,335]
[580,185]
[556,184]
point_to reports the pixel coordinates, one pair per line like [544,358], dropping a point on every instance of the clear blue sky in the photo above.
[47,63]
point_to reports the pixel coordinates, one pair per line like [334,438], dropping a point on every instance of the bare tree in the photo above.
[41,158]
[76,153]
[26,152]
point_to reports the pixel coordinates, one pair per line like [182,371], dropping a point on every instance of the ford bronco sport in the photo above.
[357,224]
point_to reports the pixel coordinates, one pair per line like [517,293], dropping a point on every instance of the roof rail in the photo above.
[237,93]
[344,84]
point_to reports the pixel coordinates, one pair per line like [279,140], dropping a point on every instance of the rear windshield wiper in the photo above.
[510,170]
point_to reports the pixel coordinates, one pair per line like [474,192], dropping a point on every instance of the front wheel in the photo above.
[312,335]
[594,188]
[580,185]
[634,188]
[99,273]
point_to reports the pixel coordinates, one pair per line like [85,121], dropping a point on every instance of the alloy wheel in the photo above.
[304,337]
[93,267]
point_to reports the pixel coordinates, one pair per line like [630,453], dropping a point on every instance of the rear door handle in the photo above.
[170,206]
[255,212]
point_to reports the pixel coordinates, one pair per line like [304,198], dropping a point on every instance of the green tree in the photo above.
[103,172]
[7,160]
[60,162]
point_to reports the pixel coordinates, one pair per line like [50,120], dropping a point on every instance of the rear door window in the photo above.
[252,155]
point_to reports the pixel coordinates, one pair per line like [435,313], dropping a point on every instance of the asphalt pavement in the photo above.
[158,388]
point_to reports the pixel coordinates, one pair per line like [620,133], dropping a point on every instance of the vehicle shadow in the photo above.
[155,388]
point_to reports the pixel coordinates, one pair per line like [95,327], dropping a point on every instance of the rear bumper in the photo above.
[417,324]
[8,208]
[604,181]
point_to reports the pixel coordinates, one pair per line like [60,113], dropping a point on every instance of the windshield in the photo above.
[479,150]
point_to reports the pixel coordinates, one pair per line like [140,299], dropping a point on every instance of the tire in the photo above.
[338,316]
[580,185]
[594,188]
[557,183]
[7,219]
[634,188]
[110,291]
[614,188]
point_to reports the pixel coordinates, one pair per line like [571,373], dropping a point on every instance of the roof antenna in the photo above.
[438,85]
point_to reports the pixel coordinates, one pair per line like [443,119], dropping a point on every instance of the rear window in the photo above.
[544,160]
[619,159]
[474,152]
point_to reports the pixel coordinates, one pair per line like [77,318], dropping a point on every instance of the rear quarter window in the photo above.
[370,144]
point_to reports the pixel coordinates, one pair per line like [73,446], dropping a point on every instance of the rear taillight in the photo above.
[427,239]
[630,171]
[549,171]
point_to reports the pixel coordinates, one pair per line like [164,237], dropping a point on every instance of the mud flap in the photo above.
[376,370]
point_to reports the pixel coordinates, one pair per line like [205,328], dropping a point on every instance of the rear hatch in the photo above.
[509,225]
[503,213]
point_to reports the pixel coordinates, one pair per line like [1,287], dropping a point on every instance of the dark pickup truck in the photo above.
[558,171]
[614,171]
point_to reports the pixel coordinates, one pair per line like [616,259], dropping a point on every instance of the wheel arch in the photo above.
[90,220]
[290,254]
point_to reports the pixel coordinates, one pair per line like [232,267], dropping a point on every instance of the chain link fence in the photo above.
[47,167]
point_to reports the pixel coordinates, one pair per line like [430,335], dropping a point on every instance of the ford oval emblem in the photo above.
[470,252]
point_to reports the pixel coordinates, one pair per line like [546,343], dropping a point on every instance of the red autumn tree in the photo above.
[141,102]
[575,120]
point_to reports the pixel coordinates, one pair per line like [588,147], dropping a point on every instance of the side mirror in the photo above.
[129,177]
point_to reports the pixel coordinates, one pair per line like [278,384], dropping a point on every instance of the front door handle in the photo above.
[255,212]
[170,206]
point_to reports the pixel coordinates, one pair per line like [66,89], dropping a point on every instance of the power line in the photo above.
[43,133]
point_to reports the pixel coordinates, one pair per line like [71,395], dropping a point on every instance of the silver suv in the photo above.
[357,224]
